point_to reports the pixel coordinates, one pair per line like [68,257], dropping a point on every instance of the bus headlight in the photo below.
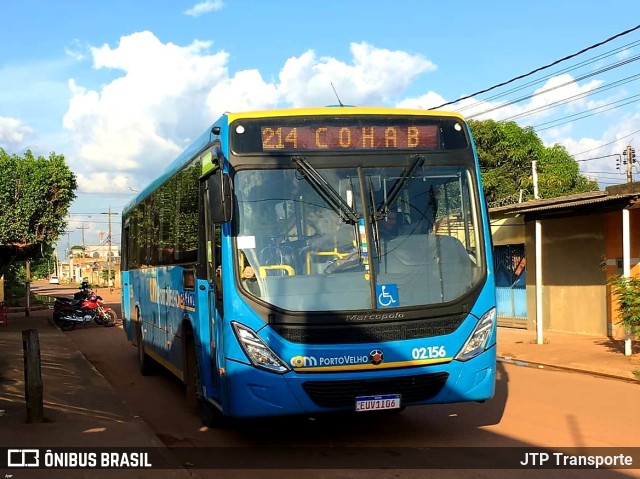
[477,342]
[257,351]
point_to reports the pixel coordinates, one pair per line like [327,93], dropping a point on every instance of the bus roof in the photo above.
[206,138]
[339,110]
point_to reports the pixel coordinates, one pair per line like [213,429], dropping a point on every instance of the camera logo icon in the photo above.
[23,458]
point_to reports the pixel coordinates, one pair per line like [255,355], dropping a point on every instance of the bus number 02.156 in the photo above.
[428,352]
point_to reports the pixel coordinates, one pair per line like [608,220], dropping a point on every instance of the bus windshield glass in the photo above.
[403,237]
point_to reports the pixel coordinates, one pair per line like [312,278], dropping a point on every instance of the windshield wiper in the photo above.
[374,221]
[326,191]
[395,190]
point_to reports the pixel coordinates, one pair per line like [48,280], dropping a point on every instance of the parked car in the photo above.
[53,279]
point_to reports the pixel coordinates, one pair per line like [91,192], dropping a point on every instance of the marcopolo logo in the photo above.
[303,361]
[375,316]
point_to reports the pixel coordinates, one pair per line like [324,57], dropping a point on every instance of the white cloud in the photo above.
[75,51]
[131,128]
[204,7]
[375,76]
[534,107]
[103,181]
[245,91]
[624,54]
[139,121]
[13,132]
[603,153]
[428,100]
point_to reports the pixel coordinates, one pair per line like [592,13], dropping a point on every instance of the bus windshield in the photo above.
[401,237]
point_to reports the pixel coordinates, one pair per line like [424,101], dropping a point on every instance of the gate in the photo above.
[511,293]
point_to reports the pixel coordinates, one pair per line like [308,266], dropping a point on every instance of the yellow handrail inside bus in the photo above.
[263,269]
[335,253]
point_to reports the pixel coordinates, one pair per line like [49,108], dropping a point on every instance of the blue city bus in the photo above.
[304,261]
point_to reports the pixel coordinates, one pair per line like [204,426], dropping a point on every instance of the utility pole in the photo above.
[109,241]
[27,308]
[534,172]
[538,267]
[83,263]
[83,227]
[629,159]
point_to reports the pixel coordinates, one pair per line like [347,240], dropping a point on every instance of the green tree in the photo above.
[35,195]
[15,275]
[506,151]
[627,292]
[559,174]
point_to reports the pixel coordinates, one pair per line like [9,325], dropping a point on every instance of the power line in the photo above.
[578,96]
[520,77]
[586,113]
[601,173]
[607,144]
[550,75]
[556,87]
[600,157]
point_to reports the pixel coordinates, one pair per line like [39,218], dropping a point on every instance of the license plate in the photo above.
[377,403]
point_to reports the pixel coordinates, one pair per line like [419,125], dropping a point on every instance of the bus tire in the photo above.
[67,326]
[191,371]
[144,361]
[209,415]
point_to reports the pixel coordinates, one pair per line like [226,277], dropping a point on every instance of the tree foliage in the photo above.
[627,292]
[35,195]
[506,151]
[15,275]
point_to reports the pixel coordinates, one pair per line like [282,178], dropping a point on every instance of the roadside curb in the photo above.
[552,367]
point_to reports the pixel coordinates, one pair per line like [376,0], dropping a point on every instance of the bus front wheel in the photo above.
[209,415]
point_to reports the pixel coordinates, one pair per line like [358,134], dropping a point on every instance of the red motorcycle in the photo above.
[70,313]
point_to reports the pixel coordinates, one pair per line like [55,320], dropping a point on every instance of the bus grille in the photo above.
[343,393]
[368,333]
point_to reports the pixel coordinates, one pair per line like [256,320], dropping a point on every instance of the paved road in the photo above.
[532,408]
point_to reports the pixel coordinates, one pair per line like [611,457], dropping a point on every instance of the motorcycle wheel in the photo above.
[66,325]
[109,319]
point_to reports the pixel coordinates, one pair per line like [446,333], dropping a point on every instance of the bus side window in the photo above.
[189,279]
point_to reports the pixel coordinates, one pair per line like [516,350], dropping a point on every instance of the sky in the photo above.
[121,87]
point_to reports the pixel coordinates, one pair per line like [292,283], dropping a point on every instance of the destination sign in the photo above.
[331,137]
[364,133]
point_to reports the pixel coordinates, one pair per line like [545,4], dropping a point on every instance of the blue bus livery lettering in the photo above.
[312,361]
[171,297]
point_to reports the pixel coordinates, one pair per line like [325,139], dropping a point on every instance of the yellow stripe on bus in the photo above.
[337,111]
[397,364]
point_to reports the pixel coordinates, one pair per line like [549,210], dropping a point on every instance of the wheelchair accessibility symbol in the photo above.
[387,295]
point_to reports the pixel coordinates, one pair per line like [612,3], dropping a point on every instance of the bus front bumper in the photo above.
[258,393]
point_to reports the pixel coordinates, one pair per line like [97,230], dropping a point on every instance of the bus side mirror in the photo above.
[220,197]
